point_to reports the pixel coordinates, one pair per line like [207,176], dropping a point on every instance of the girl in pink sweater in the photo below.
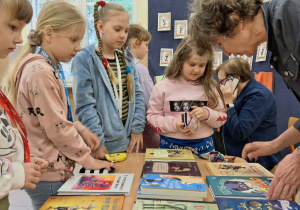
[187,104]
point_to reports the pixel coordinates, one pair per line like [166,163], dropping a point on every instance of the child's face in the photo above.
[10,33]
[114,31]
[65,44]
[142,50]
[193,67]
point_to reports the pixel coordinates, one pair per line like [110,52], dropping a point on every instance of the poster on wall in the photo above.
[166,55]
[180,29]
[248,59]
[164,21]
[218,58]
[262,51]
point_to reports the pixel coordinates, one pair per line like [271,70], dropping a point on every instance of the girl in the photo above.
[188,82]
[138,40]
[37,84]
[108,96]
[14,174]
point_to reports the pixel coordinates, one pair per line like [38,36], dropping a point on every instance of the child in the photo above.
[108,97]
[14,173]
[138,40]
[42,100]
[188,80]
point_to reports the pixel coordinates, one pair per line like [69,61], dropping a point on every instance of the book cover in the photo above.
[227,186]
[169,154]
[171,168]
[84,202]
[238,169]
[97,184]
[173,185]
[262,204]
[141,204]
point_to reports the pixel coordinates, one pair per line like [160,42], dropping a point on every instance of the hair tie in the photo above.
[105,63]
[128,70]
[102,3]
[33,38]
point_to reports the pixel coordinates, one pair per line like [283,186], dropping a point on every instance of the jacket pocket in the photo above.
[292,68]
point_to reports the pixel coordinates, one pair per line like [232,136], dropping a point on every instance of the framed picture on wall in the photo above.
[180,29]
[166,55]
[218,58]
[261,53]
[164,21]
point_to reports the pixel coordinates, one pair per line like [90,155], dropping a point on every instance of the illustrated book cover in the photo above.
[84,203]
[97,184]
[169,154]
[232,186]
[173,185]
[262,204]
[171,168]
[238,169]
[142,204]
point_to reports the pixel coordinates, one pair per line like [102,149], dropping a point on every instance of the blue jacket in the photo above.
[282,22]
[96,106]
[253,118]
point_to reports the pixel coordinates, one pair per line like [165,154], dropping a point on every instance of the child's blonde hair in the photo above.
[183,52]
[108,10]
[18,9]
[59,15]
[138,32]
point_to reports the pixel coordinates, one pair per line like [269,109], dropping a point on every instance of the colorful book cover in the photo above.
[142,204]
[227,186]
[173,185]
[84,202]
[169,154]
[238,169]
[97,184]
[171,168]
[262,204]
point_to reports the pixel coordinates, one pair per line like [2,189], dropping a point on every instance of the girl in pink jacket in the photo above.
[187,104]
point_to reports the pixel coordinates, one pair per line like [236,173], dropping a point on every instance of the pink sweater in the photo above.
[42,104]
[164,120]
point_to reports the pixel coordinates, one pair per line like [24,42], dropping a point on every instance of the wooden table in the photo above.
[134,164]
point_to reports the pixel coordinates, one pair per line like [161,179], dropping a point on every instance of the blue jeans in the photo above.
[42,192]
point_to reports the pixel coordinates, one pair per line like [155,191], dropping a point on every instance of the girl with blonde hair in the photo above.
[37,85]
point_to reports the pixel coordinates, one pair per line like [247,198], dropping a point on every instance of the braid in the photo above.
[110,72]
[129,76]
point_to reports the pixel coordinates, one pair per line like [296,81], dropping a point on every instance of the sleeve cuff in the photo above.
[79,127]
[19,176]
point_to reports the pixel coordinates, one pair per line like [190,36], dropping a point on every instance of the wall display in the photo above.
[261,53]
[180,29]
[218,58]
[164,21]
[166,56]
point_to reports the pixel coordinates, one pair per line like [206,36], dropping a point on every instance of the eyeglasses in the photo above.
[222,81]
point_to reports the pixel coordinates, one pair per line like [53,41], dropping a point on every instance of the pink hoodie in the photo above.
[42,104]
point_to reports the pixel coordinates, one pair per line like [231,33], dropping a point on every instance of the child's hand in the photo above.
[91,139]
[135,139]
[179,126]
[98,164]
[41,162]
[32,175]
[100,153]
[199,113]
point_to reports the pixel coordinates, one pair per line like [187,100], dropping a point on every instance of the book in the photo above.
[171,168]
[84,202]
[141,204]
[226,186]
[97,184]
[173,185]
[169,154]
[262,204]
[181,197]
[238,169]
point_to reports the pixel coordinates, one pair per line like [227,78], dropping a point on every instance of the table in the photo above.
[134,164]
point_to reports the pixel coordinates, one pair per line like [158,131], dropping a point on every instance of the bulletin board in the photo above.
[287,104]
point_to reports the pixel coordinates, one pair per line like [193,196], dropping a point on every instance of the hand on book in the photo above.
[286,179]
[32,175]
[91,139]
[98,164]
[256,149]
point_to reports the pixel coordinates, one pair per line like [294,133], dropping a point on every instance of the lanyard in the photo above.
[61,75]
[15,118]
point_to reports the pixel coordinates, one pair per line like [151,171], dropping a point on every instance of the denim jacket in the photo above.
[282,22]
[96,106]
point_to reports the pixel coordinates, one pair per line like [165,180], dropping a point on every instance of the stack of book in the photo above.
[171,174]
